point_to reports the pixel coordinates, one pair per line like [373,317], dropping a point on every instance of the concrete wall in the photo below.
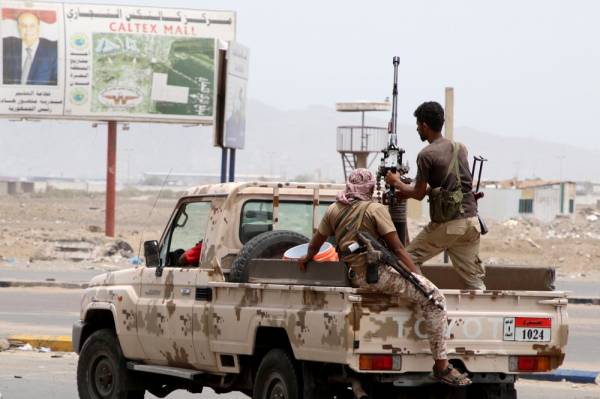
[499,203]
[546,203]
[587,200]
[27,187]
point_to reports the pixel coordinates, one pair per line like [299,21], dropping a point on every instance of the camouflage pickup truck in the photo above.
[246,320]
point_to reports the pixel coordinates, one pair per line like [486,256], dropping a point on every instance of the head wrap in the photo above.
[359,187]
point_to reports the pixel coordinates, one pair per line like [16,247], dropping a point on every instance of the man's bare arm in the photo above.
[313,248]
[416,191]
[393,243]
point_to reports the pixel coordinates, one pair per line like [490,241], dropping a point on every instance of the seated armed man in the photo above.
[454,224]
[355,211]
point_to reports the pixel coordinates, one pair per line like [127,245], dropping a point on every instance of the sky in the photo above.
[526,69]
[519,68]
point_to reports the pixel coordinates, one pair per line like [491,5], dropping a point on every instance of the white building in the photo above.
[544,200]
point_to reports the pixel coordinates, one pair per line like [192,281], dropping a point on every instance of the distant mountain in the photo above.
[285,143]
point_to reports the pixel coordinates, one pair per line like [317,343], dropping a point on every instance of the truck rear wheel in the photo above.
[268,245]
[276,377]
[102,371]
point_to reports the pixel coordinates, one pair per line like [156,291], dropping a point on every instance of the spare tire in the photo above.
[267,245]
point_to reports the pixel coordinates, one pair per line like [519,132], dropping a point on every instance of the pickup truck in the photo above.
[246,320]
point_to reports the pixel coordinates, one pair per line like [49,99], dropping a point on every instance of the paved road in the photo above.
[45,311]
[579,287]
[68,272]
[42,376]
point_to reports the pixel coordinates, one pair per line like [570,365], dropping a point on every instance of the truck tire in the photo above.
[268,245]
[102,371]
[276,377]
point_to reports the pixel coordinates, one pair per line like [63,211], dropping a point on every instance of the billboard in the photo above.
[107,62]
[234,131]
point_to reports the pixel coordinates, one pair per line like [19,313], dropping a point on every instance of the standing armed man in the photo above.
[454,225]
[354,210]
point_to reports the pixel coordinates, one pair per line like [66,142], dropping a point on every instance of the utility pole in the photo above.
[449,127]
[449,113]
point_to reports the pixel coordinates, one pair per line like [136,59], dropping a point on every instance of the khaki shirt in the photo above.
[377,221]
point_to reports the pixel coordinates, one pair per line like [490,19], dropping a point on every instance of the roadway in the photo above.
[27,375]
[53,310]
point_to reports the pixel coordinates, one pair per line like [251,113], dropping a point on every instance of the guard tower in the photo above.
[355,143]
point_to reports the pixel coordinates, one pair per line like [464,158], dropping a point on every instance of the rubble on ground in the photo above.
[67,229]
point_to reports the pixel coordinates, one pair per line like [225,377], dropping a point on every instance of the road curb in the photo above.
[60,343]
[51,284]
[584,300]
[576,376]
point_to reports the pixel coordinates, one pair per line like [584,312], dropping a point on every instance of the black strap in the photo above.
[356,224]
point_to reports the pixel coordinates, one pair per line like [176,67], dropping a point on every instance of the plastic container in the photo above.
[327,253]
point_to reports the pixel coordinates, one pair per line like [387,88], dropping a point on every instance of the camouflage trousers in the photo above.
[390,282]
[461,238]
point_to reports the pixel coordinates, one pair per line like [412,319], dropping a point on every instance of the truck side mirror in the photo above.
[151,253]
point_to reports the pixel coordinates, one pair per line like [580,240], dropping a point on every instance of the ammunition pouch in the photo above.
[373,260]
[445,205]
[373,273]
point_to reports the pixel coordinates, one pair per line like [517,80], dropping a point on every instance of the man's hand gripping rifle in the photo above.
[377,253]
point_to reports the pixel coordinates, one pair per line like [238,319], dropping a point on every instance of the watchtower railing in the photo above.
[361,138]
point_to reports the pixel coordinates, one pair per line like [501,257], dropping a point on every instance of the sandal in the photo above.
[451,376]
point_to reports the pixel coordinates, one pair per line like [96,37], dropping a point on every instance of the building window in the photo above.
[525,206]
[571,206]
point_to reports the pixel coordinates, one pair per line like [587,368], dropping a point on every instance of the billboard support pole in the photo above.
[111,172]
[223,164]
[232,164]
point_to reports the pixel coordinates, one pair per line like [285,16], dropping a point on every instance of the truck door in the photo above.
[165,322]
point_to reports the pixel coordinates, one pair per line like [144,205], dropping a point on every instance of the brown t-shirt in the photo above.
[432,166]
[377,222]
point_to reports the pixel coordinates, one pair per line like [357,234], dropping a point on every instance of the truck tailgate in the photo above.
[485,329]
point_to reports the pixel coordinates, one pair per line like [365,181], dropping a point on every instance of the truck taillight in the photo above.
[380,362]
[530,363]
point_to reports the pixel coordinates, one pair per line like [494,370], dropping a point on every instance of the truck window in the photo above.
[257,217]
[188,228]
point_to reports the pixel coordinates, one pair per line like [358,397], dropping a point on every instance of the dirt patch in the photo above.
[70,228]
[37,228]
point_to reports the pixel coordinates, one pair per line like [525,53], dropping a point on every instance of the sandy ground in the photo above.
[52,227]
[64,226]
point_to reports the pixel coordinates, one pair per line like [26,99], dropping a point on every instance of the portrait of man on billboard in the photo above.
[29,53]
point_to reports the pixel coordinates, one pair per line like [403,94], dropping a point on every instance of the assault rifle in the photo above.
[478,194]
[387,257]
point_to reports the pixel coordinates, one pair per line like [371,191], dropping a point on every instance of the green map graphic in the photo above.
[124,66]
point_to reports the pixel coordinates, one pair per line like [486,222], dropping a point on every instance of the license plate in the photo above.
[527,329]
